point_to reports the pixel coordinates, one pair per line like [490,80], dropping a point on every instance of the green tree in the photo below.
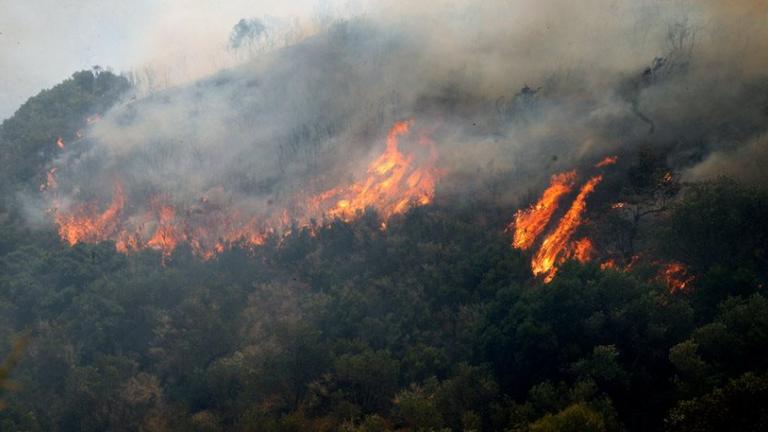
[575,418]
[739,405]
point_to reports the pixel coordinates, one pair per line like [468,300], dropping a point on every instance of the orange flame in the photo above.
[60,143]
[166,236]
[675,275]
[86,224]
[530,223]
[582,250]
[610,160]
[393,183]
[391,186]
[553,249]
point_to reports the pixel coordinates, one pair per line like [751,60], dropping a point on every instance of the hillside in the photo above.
[297,245]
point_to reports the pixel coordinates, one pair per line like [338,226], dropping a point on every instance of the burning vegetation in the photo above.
[331,236]
[559,244]
[554,242]
[529,223]
[392,183]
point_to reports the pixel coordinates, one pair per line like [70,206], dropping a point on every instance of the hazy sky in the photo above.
[44,41]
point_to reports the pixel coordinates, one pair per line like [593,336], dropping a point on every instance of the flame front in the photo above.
[392,184]
[85,223]
[531,222]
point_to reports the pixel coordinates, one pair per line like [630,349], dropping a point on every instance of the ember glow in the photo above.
[393,183]
[610,160]
[60,143]
[582,249]
[675,275]
[531,222]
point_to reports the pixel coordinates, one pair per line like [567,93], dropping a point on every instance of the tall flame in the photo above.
[531,222]
[556,245]
[391,185]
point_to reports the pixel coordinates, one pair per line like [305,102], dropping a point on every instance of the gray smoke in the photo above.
[510,92]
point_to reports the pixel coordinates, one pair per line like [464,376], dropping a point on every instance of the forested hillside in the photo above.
[54,114]
[510,216]
[434,323]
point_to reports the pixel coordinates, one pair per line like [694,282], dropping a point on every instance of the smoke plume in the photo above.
[508,92]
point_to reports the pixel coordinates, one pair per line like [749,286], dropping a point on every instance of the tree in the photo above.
[27,139]
[645,194]
[575,418]
[720,223]
[246,32]
[738,406]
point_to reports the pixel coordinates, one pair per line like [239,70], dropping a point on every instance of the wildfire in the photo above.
[60,143]
[556,245]
[392,183]
[675,275]
[166,236]
[610,160]
[529,223]
[582,249]
[86,223]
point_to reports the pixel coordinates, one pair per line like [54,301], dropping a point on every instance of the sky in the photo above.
[42,42]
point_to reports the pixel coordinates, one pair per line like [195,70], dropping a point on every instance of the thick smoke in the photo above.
[745,163]
[509,91]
